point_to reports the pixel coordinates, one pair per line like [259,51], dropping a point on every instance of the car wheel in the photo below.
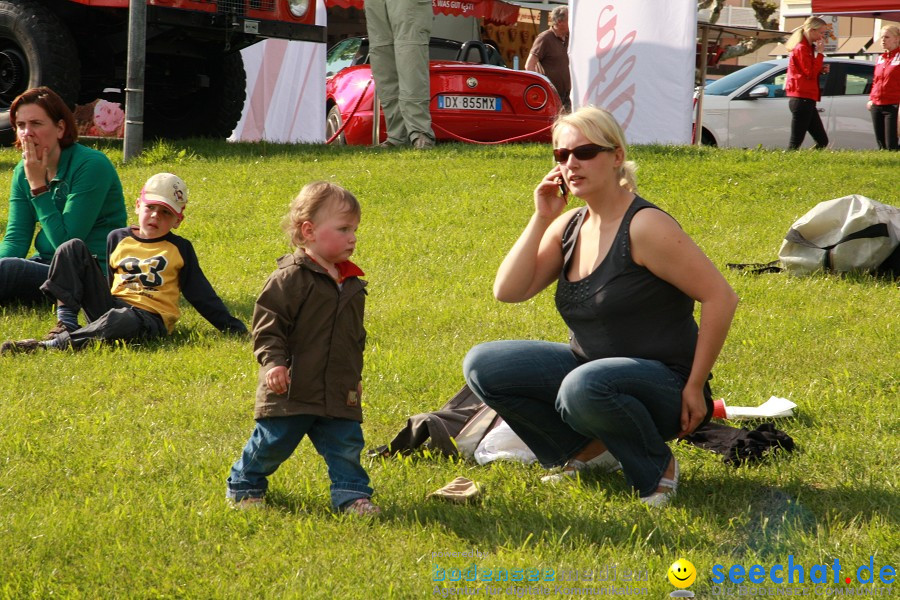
[333,124]
[36,49]
[707,139]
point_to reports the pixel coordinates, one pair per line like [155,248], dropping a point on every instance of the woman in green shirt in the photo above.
[70,190]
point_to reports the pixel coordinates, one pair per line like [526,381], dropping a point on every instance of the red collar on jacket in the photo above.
[345,269]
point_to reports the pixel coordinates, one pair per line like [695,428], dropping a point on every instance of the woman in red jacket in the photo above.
[806,64]
[884,99]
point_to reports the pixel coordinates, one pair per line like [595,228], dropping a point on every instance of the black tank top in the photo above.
[621,308]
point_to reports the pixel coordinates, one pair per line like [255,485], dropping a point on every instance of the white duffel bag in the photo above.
[852,233]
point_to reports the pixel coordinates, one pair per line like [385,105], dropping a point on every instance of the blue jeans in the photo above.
[21,279]
[274,439]
[557,403]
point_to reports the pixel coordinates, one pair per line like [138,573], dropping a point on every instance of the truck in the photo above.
[194,75]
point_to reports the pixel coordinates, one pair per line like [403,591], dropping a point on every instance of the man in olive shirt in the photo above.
[549,54]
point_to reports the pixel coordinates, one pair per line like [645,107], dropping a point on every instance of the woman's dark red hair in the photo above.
[55,108]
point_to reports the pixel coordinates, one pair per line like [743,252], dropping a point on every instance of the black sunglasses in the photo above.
[586,152]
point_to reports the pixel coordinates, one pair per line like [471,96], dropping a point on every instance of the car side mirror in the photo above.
[760,91]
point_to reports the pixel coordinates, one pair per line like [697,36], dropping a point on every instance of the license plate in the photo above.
[469,103]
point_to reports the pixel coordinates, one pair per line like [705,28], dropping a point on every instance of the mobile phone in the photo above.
[563,190]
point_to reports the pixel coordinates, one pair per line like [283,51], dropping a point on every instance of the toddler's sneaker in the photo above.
[361,507]
[249,503]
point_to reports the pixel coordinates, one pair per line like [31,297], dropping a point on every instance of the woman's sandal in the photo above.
[659,499]
[604,462]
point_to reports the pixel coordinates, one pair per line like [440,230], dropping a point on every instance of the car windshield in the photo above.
[733,81]
[341,55]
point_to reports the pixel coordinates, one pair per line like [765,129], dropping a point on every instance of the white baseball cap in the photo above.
[168,189]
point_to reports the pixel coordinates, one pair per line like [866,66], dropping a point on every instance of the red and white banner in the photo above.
[635,58]
[285,91]
[492,11]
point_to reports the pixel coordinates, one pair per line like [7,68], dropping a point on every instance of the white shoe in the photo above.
[660,499]
[604,462]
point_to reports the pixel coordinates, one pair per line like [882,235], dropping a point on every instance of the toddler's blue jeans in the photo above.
[339,441]
[557,403]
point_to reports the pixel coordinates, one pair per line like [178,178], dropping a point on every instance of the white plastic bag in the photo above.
[501,443]
[844,234]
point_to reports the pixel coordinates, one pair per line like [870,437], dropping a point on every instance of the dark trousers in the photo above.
[806,118]
[76,281]
[884,120]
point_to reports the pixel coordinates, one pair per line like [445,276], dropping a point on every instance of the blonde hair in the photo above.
[312,199]
[803,31]
[892,29]
[601,128]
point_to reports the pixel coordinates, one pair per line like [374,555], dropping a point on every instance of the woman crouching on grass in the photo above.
[634,374]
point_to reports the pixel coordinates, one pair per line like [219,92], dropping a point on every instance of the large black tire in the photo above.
[36,48]
[211,109]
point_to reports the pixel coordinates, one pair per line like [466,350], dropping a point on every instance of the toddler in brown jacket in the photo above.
[308,337]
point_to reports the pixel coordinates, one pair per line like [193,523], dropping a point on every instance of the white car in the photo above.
[748,108]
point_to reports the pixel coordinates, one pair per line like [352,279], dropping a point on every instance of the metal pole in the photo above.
[698,121]
[134,81]
[376,118]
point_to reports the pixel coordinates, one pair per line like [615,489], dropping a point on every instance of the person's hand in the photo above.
[278,379]
[35,162]
[869,105]
[826,69]
[820,45]
[693,410]
[548,201]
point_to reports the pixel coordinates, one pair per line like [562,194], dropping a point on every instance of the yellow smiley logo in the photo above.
[682,573]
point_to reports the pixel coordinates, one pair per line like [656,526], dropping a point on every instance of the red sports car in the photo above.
[474,97]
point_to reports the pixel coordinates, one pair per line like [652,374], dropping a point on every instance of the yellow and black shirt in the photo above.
[151,274]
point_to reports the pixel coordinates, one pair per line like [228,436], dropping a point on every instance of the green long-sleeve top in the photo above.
[85,201]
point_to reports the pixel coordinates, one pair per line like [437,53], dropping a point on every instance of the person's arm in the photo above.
[808,66]
[273,320]
[197,290]
[22,219]
[533,63]
[535,259]
[88,185]
[660,245]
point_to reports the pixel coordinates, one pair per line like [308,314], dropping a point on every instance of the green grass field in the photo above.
[113,460]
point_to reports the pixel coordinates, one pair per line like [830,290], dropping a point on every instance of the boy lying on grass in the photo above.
[149,267]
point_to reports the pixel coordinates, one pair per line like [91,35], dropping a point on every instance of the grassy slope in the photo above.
[112,462]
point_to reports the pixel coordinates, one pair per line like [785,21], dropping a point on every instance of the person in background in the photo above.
[805,65]
[60,190]
[550,55]
[399,31]
[884,100]
[635,371]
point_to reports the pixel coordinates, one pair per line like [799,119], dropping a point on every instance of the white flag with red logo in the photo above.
[635,58]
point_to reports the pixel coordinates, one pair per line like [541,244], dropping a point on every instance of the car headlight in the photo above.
[536,97]
[298,7]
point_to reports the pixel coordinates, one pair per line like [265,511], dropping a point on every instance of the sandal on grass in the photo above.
[604,462]
[659,499]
